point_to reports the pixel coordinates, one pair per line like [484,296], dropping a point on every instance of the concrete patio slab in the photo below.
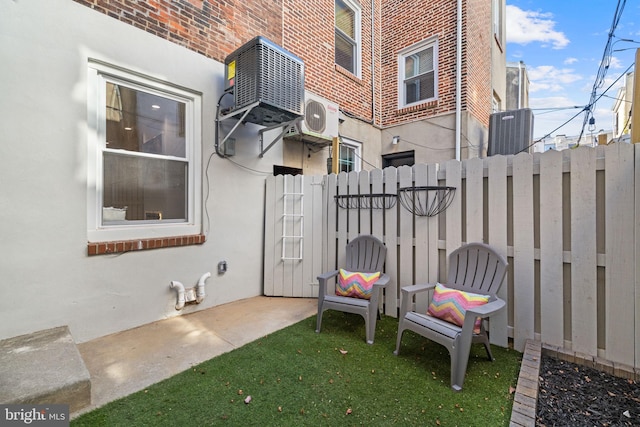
[129,361]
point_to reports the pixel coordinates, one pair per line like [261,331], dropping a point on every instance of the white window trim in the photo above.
[358,35]
[413,49]
[96,232]
[357,148]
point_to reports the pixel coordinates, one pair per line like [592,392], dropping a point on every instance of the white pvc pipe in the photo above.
[458,76]
[519,84]
[373,59]
[180,289]
[200,287]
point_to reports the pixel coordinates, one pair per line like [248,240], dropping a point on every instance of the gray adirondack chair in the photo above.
[364,254]
[476,268]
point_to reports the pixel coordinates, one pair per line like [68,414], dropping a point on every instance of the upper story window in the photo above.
[348,15]
[418,69]
[350,156]
[144,156]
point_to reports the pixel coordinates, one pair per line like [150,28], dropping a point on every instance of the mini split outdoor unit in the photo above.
[320,124]
[263,74]
[511,132]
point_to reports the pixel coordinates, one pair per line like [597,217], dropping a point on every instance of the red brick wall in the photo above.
[211,28]
[479,39]
[217,28]
[309,33]
[406,22]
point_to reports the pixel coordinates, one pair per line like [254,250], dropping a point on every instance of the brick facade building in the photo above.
[369,97]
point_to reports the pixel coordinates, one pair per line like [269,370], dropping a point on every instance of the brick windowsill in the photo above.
[348,74]
[115,247]
[419,107]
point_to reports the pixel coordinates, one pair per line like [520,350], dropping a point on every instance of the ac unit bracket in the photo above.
[244,111]
[284,126]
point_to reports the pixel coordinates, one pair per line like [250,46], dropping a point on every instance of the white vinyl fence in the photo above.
[568,222]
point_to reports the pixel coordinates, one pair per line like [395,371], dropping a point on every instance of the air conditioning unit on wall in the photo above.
[266,77]
[320,123]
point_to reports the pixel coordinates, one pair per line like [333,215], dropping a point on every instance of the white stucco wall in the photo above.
[47,278]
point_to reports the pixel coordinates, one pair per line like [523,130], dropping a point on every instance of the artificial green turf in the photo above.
[296,377]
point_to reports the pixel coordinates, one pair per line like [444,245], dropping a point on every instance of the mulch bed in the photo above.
[575,395]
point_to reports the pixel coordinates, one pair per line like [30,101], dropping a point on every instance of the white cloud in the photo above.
[552,102]
[615,63]
[550,78]
[526,26]
[570,61]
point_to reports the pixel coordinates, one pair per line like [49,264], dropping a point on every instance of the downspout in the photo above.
[458,76]
[373,92]
[519,84]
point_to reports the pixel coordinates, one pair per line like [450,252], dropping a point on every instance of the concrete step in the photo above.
[44,367]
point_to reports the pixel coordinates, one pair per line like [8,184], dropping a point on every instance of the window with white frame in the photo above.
[347,35]
[350,156]
[144,156]
[418,71]
[495,103]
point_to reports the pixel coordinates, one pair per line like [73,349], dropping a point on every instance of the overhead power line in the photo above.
[602,70]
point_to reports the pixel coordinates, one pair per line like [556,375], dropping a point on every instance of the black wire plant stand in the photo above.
[366,201]
[426,200]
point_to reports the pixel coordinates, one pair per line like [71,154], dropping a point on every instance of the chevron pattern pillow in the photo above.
[451,305]
[356,284]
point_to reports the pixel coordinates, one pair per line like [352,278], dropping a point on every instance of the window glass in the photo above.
[144,122]
[350,157]
[419,76]
[347,19]
[418,73]
[143,157]
[144,188]
[145,171]
[344,53]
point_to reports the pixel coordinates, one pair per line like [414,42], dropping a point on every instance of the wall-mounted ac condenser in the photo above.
[511,132]
[263,73]
[320,124]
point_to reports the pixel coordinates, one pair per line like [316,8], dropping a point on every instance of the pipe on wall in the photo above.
[458,76]
[200,287]
[196,294]
[373,81]
[179,287]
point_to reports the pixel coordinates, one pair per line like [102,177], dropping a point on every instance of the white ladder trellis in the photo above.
[292,219]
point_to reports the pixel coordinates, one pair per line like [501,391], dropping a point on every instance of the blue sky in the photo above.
[562,43]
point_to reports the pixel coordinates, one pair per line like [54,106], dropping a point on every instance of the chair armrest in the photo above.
[383,280]
[328,275]
[488,309]
[408,292]
[323,280]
